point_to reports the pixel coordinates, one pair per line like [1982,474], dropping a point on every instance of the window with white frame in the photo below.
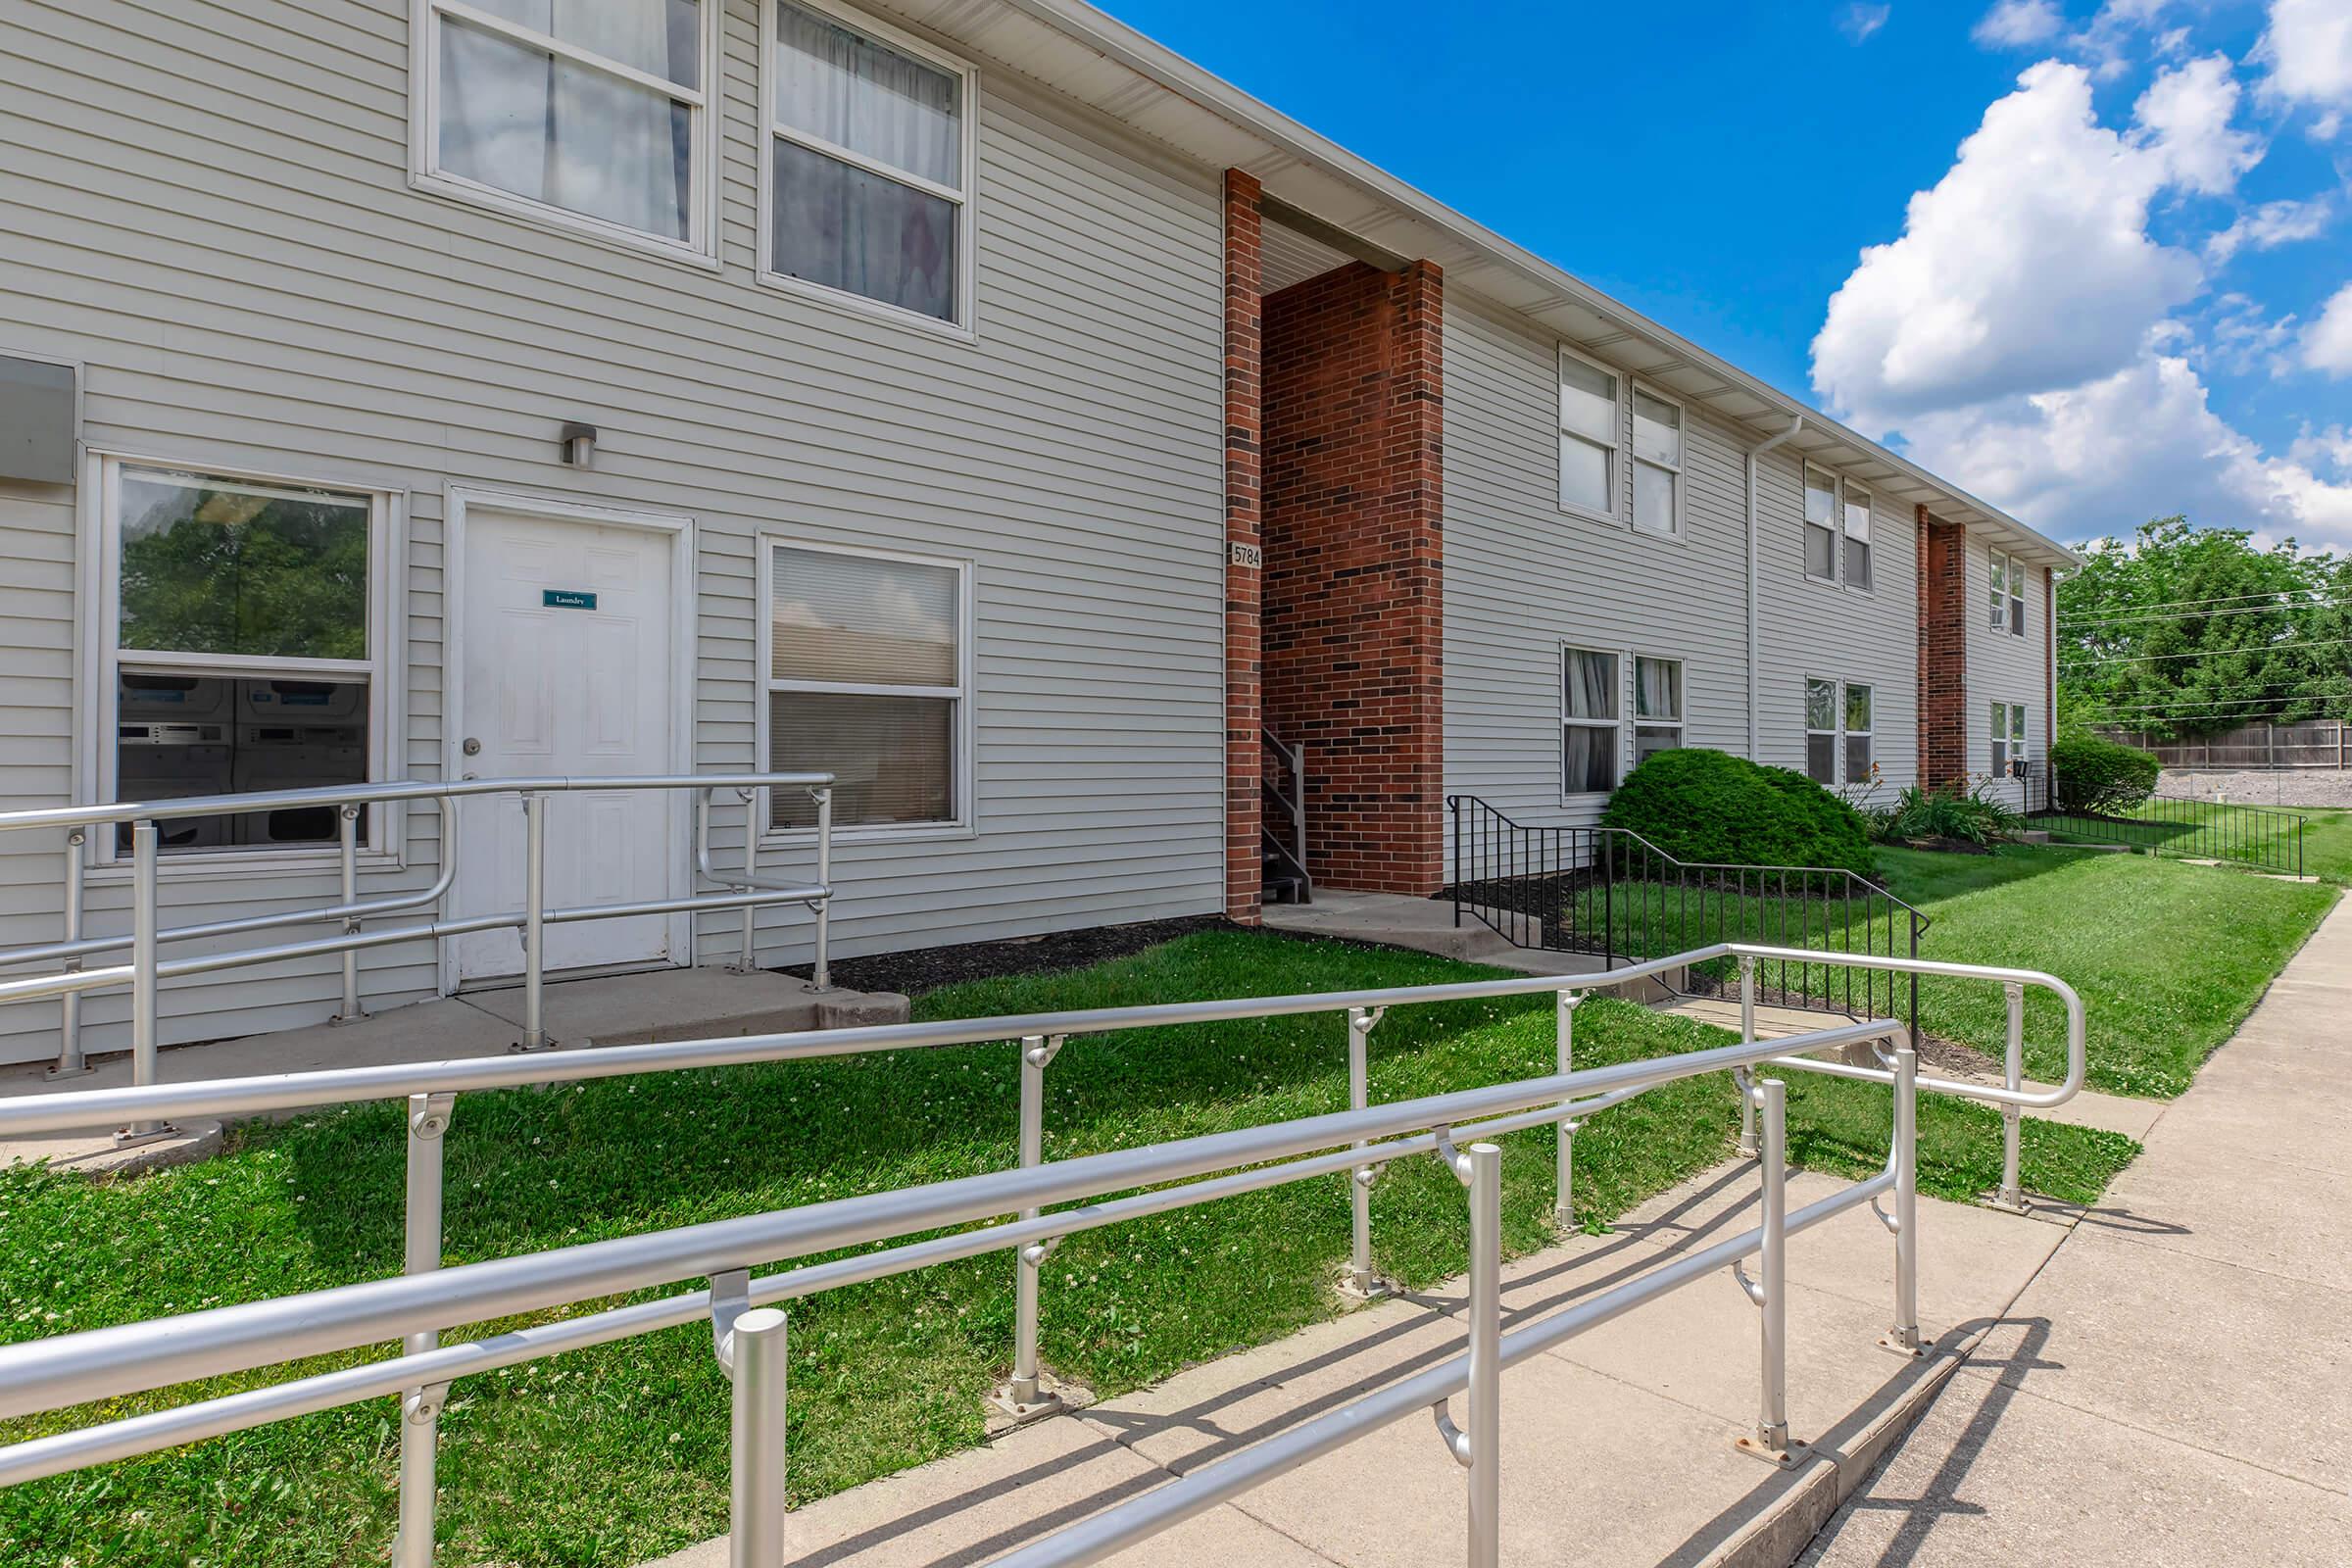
[1857,537]
[1820,730]
[1657,474]
[867,678]
[869,159]
[1589,437]
[1858,758]
[244,648]
[1589,728]
[2017,596]
[1997,575]
[595,110]
[1838,741]
[1821,524]
[1657,705]
[2008,730]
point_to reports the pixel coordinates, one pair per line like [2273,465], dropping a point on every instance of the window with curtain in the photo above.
[1857,734]
[868,166]
[590,108]
[1589,721]
[245,656]
[1821,524]
[1657,705]
[1588,436]
[1821,731]
[1857,538]
[1657,465]
[1998,569]
[865,679]
[2001,730]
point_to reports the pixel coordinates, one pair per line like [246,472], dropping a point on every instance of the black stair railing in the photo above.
[1612,894]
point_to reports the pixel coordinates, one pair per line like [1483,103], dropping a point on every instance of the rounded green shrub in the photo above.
[2103,777]
[1711,806]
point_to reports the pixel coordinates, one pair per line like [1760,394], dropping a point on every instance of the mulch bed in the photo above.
[921,969]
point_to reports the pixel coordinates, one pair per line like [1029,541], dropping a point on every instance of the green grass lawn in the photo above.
[2169,958]
[619,1453]
[2328,843]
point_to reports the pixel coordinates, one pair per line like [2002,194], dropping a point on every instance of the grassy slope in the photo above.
[2328,843]
[622,1450]
[2169,958]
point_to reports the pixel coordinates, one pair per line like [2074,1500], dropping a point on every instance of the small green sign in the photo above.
[566,598]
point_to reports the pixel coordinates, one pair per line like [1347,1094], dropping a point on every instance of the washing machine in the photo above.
[298,735]
[175,736]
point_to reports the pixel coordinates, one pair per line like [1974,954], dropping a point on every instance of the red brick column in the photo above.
[1942,652]
[1355,364]
[1244,341]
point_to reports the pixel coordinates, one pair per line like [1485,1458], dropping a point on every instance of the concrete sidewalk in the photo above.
[2176,1385]
[1618,1445]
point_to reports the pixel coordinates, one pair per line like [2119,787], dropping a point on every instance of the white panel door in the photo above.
[567,671]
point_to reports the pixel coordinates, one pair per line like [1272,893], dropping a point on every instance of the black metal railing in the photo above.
[1612,894]
[1282,819]
[2261,837]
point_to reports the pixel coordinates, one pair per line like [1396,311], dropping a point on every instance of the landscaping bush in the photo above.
[2100,776]
[1702,806]
[1926,817]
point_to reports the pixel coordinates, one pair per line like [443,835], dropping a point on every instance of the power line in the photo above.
[2065,624]
[2202,653]
[2281,703]
[2218,599]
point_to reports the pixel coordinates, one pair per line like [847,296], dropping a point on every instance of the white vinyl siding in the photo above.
[2004,668]
[1520,583]
[222,238]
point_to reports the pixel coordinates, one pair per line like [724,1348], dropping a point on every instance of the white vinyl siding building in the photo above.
[218,226]
[2007,666]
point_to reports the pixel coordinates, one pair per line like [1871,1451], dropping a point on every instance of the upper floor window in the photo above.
[869,164]
[1857,538]
[1589,437]
[1821,523]
[2007,593]
[597,114]
[867,678]
[1657,464]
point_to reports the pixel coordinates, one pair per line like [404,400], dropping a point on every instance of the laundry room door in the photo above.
[567,667]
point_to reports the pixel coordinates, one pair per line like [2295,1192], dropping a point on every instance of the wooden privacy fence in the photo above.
[2313,742]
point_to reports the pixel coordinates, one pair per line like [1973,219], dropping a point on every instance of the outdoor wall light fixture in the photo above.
[579,444]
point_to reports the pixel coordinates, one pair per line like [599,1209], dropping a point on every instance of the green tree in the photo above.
[2185,631]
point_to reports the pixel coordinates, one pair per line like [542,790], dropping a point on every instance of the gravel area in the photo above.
[921,969]
[2314,786]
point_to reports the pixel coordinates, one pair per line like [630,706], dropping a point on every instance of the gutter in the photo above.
[1796,422]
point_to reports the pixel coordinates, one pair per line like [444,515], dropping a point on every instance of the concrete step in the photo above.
[1618,1445]
[607,1011]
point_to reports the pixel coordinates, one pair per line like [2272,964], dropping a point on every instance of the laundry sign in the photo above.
[566,598]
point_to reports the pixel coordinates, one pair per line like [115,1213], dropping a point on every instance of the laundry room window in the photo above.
[867,663]
[245,650]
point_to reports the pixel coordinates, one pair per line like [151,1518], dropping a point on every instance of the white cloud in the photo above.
[1860,20]
[2271,224]
[2028,265]
[2018,24]
[2306,49]
[2023,335]
[2327,343]
[2184,118]
[2103,457]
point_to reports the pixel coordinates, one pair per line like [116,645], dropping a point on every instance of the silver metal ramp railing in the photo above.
[144,971]
[1011,1211]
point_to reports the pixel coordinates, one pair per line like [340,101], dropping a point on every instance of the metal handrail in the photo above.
[74,1368]
[1294,804]
[747,890]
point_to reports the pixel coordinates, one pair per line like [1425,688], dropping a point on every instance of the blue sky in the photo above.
[2115,303]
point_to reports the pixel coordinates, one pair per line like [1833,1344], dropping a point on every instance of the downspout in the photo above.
[1796,422]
